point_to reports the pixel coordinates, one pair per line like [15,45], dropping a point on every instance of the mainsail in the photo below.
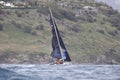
[59,49]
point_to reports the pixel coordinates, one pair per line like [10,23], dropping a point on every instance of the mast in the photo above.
[56,34]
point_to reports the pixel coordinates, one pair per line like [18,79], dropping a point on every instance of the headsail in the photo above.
[59,49]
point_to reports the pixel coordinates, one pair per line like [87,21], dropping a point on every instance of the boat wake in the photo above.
[59,72]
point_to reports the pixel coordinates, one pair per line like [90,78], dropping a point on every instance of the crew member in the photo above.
[59,61]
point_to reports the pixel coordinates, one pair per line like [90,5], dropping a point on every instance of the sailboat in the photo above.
[59,51]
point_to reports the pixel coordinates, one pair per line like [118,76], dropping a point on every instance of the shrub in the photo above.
[34,33]
[113,33]
[17,25]
[27,29]
[8,12]
[7,54]
[42,10]
[75,28]
[33,3]
[18,14]
[90,16]
[57,14]
[101,31]
[90,19]
[2,12]
[114,20]
[40,27]
[1,27]
[27,12]
[1,18]
[69,15]
[60,14]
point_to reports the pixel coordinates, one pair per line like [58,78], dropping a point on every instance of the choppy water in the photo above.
[59,72]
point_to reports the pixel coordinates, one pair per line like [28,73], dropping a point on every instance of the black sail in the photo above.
[57,42]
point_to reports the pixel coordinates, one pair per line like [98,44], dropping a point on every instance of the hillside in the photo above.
[115,4]
[90,30]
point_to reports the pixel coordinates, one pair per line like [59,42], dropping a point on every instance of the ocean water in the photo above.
[59,72]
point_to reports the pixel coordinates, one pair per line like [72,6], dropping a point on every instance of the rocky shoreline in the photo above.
[45,59]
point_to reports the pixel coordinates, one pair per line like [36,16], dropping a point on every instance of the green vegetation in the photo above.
[93,36]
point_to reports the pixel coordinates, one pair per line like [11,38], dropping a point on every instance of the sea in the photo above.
[59,72]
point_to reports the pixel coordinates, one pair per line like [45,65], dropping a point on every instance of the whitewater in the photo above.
[59,72]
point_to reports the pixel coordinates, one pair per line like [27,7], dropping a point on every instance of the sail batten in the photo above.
[59,49]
